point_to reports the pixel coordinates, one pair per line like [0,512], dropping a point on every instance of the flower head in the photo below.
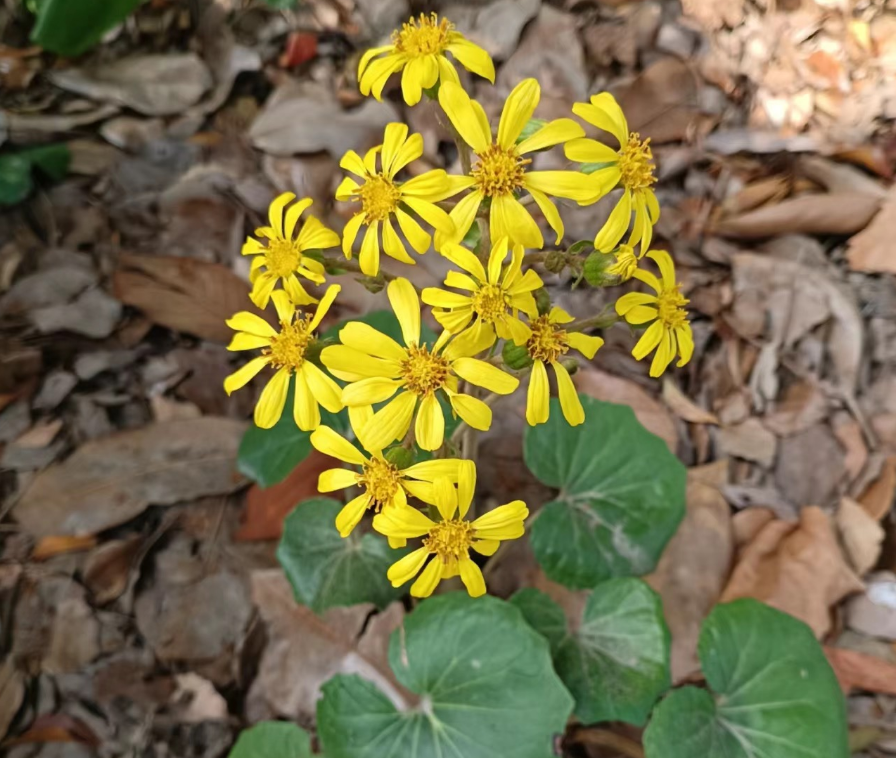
[500,172]
[384,485]
[548,343]
[495,296]
[447,542]
[282,257]
[631,167]
[285,351]
[626,263]
[669,332]
[381,199]
[419,48]
[377,367]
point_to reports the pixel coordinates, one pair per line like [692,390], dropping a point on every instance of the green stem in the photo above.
[354,267]
[601,321]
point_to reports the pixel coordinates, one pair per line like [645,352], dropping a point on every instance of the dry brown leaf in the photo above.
[685,408]
[796,568]
[877,499]
[833,213]
[746,524]
[859,671]
[107,569]
[183,294]
[849,434]
[873,613]
[110,480]
[52,545]
[769,189]
[614,389]
[749,440]
[12,692]
[694,567]
[872,249]
[802,405]
[862,536]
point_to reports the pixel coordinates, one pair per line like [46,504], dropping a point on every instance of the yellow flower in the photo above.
[377,367]
[283,256]
[494,300]
[381,198]
[499,171]
[669,333]
[626,263]
[631,167]
[285,351]
[419,48]
[385,485]
[547,344]
[449,540]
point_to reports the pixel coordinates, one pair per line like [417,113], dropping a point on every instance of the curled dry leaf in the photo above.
[797,568]
[860,671]
[862,536]
[12,692]
[802,405]
[749,440]
[685,408]
[877,499]
[872,248]
[52,545]
[110,480]
[107,569]
[874,613]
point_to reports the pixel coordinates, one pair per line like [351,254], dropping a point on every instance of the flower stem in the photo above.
[354,267]
[601,321]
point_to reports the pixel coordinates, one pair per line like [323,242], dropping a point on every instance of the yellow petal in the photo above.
[466,486]
[252,247]
[292,216]
[551,214]
[427,185]
[350,365]
[518,109]
[518,331]
[364,337]
[275,211]
[324,389]
[349,233]
[665,353]
[496,260]
[590,151]
[262,288]
[272,399]
[324,305]
[667,267]
[464,258]
[410,151]
[431,214]
[412,81]
[315,235]
[650,280]
[453,321]
[430,425]
[296,292]
[569,399]
[486,547]
[393,138]
[443,299]
[461,281]
[393,246]
[447,72]
[284,305]
[604,112]
[306,411]
[243,341]
[685,338]
[649,340]
[351,161]
[473,58]
[406,304]
[244,321]
[418,238]
[503,523]
[358,416]
[571,184]
[471,576]
[608,237]
[347,519]
[473,341]
[378,73]
[436,467]
[457,105]
[486,375]
[391,422]
[559,316]
[428,579]
[510,218]
[369,258]
[584,343]
[473,411]
[632,300]
[376,389]
[552,133]
[408,567]
[369,55]
[538,397]
[463,215]
[327,441]
[402,522]
[244,375]
[336,479]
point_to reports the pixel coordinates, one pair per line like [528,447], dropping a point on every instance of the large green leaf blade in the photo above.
[621,495]
[72,27]
[485,683]
[326,570]
[272,739]
[774,693]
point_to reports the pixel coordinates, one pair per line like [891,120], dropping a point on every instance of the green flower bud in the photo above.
[400,457]
[570,364]
[597,272]
[516,356]
[373,284]
[542,300]
[555,261]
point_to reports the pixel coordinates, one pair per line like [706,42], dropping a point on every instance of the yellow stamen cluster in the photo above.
[379,197]
[636,163]
[283,257]
[424,36]
[288,348]
[499,171]
[490,302]
[548,342]
[670,305]
[381,479]
[450,540]
[424,372]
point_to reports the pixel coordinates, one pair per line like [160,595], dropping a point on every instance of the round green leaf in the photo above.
[621,494]
[485,683]
[326,570]
[773,693]
[272,739]
[616,662]
[71,27]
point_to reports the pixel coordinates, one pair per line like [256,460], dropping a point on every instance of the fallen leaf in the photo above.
[874,612]
[797,568]
[155,85]
[802,405]
[840,177]
[94,314]
[694,567]
[300,48]
[862,536]
[832,213]
[110,480]
[183,294]
[614,389]
[749,440]
[754,194]
[871,249]
[496,26]
[877,499]
[40,435]
[746,524]
[75,634]
[862,672]
[810,466]
[685,408]
[196,700]
[57,727]
[107,570]
[12,693]
[52,545]
[849,434]
[266,508]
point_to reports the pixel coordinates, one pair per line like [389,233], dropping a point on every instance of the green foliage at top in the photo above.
[16,170]
[72,27]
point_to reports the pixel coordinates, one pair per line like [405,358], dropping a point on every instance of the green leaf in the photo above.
[485,683]
[16,170]
[590,168]
[267,456]
[326,570]
[773,693]
[272,739]
[616,662]
[72,27]
[473,236]
[621,494]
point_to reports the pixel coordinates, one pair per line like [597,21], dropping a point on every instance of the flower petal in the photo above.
[538,397]
[305,410]
[272,399]
[315,235]
[666,266]
[242,376]
[369,258]
[571,184]
[376,389]
[463,215]
[649,340]
[430,424]
[410,151]
[464,258]
[552,133]
[436,467]
[604,112]
[349,517]
[407,568]
[427,185]
[551,214]
[336,479]
[349,233]
[406,304]
[324,305]
[364,337]
[459,108]
[471,576]
[324,389]
[431,214]
[608,237]
[412,81]
[243,341]
[496,260]
[428,579]
[486,375]
[418,238]
[275,212]
[473,58]
[509,217]
[395,135]
[518,109]
[473,411]
[350,365]
[329,442]
[503,523]
[569,399]
[587,150]
[390,423]
[584,343]
[393,246]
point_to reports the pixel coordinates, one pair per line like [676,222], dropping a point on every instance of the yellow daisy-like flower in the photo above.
[385,485]
[419,48]
[449,541]
[282,257]
[494,301]
[669,333]
[378,367]
[631,167]
[548,343]
[499,171]
[382,198]
[626,263]
[285,351]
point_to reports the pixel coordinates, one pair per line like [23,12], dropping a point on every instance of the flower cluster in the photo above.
[498,325]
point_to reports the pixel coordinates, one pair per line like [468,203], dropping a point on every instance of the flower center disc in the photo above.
[670,305]
[450,539]
[636,163]
[424,372]
[423,36]
[489,302]
[381,480]
[287,349]
[282,257]
[547,342]
[379,198]
[499,171]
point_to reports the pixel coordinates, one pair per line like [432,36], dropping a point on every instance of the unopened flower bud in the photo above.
[400,457]
[597,270]
[542,301]
[516,356]
[555,261]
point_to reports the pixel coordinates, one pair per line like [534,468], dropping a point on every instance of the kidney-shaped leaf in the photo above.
[325,569]
[621,494]
[616,661]
[484,680]
[272,739]
[773,693]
